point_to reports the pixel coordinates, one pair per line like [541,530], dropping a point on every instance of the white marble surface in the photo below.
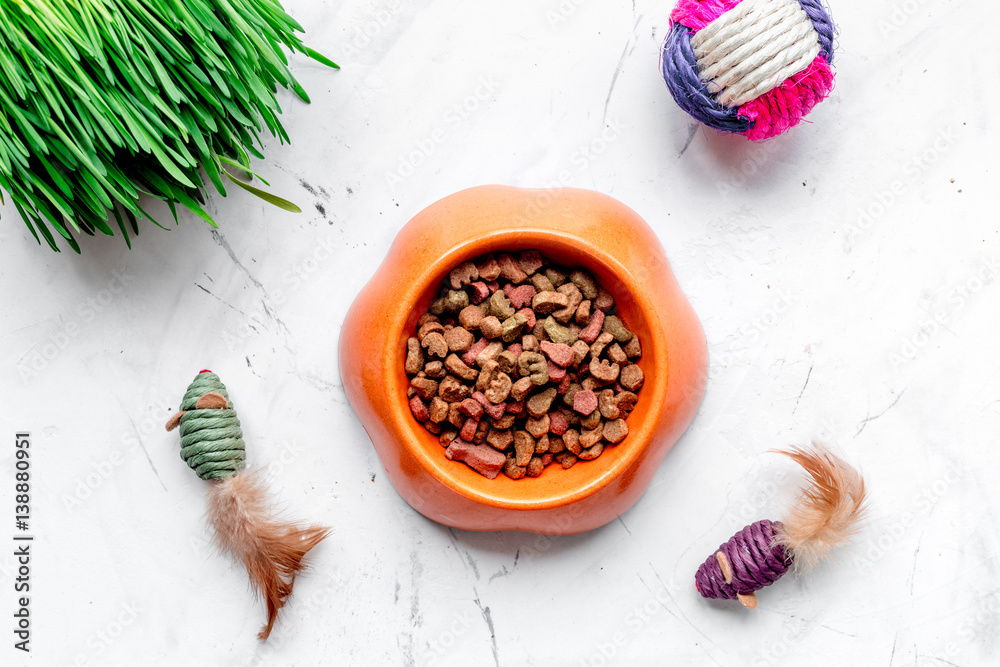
[877,333]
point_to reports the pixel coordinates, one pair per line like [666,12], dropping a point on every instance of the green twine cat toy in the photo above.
[212,445]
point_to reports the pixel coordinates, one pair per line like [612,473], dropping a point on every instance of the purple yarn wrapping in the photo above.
[754,559]
[823,25]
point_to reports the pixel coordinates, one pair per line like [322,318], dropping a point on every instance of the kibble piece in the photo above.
[574,299]
[455,300]
[489,353]
[432,427]
[425,318]
[559,353]
[616,354]
[435,369]
[426,387]
[480,292]
[547,302]
[535,467]
[542,284]
[437,306]
[537,426]
[633,350]
[582,316]
[499,439]
[469,358]
[520,389]
[435,344]
[604,301]
[524,447]
[585,282]
[429,327]
[491,327]
[593,329]
[511,328]
[607,404]
[482,458]
[418,409]
[591,436]
[580,351]
[508,361]
[469,429]
[456,366]
[540,403]
[504,422]
[499,388]
[521,296]
[556,445]
[604,372]
[447,436]
[510,269]
[571,439]
[542,444]
[455,416]
[499,306]
[616,328]
[414,356]
[555,276]
[533,365]
[597,347]
[557,333]
[463,274]
[512,470]
[471,408]
[438,409]
[494,410]
[570,394]
[481,430]
[591,421]
[615,431]
[584,402]
[529,317]
[589,383]
[626,401]
[458,339]
[529,343]
[470,317]
[631,377]
[489,270]
[558,423]
[556,373]
[451,390]
[531,261]
[566,460]
[592,452]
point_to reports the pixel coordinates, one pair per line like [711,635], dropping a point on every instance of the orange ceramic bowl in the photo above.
[572,227]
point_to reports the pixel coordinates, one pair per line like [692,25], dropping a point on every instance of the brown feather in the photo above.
[828,509]
[272,549]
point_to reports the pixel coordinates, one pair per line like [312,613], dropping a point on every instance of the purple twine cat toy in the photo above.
[825,515]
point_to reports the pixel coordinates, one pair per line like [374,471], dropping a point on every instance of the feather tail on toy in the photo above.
[828,509]
[271,549]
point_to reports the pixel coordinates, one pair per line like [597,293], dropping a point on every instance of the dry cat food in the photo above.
[520,363]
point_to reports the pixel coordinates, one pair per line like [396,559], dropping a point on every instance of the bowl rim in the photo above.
[549,242]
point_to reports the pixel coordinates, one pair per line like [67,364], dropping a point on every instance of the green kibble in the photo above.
[555,276]
[512,327]
[499,306]
[585,283]
[455,301]
[437,306]
[616,328]
[557,333]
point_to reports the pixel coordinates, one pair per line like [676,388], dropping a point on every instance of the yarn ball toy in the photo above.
[750,67]
[825,515]
[212,445]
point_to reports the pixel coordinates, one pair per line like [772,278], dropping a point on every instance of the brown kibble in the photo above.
[584,402]
[489,371]
[499,306]
[531,261]
[499,388]
[537,426]
[535,467]
[633,350]
[585,282]
[489,270]
[432,427]
[429,328]
[436,307]
[592,452]
[547,302]
[447,436]
[506,421]
[470,317]
[592,420]
[589,383]
[542,442]
[591,436]
[521,388]
[555,276]
[438,410]
[510,269]
[574,299]
[458,339]
[426,388]
[556,445]
[607,404]
[435,369]
[529,343]
[597,347]
[570,394]
[582,316]
[463,274]
[616,354]
[482,429]
[499,439]
[604,301]
[533,365]
[491,327]
[435,344]
[540,403]
[524,447]
[455,416]
[631,377]
[615,431]
[626,401]
[451,390]
[414,356]
[604,372]
[580,352]
[542,284]
[512,470]
[571,439]
[616,328]
[566,460]
[489,353]
[458,367]
[508,361]
[425,318]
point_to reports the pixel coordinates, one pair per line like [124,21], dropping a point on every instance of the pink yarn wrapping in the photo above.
[783,107]
[696,14]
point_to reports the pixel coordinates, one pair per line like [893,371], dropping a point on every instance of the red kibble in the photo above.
[419,409]
[585,402]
